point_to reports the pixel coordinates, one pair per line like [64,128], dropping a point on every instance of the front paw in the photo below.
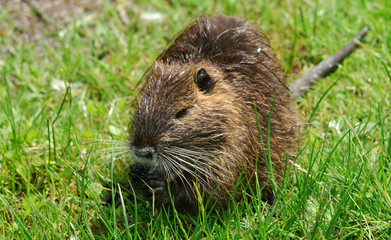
[155,188]
[150,185]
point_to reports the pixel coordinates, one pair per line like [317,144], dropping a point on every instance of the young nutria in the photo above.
[195,128]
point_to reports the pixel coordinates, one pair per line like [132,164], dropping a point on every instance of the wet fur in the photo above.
[217,138]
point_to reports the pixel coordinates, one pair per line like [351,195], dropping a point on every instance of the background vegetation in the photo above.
[57,143]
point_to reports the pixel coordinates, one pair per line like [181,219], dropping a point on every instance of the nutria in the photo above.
[212,105]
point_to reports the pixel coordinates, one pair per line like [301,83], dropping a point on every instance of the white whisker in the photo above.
[198,158]
[174,166]
[192,173]
[113,149]
[109,141]
[194,164]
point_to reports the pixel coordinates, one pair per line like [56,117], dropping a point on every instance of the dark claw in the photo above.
[145,182]
[159,188]
[148,183]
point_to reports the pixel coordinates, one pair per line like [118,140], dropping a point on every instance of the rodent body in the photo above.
[195,127]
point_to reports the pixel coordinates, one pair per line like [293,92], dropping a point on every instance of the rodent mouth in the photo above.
[157,167]
[179,165]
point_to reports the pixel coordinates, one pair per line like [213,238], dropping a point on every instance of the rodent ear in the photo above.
[204,82]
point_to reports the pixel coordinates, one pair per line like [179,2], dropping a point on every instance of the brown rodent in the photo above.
[195,127]
[195,122]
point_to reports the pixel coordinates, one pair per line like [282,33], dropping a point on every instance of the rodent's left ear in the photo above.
[204,82]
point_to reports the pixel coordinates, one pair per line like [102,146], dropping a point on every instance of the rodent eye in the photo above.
[181,113]
[204,82]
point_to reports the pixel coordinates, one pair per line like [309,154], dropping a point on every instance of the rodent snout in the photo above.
[145,153]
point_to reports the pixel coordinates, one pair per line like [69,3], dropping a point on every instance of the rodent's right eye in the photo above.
[181,113]
[204,81]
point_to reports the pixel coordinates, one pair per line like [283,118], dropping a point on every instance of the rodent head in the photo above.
[181,121]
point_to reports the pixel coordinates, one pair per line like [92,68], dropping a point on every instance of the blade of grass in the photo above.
[320,100]
[18,220]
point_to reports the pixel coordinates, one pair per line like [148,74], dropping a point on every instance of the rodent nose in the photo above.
[145,152]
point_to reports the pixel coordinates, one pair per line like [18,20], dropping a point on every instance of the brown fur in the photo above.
[219,125]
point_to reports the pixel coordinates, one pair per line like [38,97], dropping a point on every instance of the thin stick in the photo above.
[302,84]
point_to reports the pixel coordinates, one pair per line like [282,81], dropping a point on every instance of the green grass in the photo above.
[52,165]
